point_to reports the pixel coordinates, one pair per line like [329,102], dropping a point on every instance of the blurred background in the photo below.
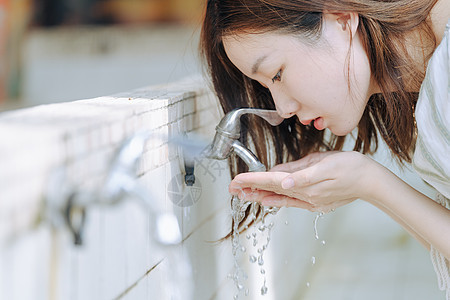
[63,50]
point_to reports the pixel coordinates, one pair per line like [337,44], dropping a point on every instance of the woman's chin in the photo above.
[340,131]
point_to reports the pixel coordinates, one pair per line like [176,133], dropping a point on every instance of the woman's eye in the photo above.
[277,77]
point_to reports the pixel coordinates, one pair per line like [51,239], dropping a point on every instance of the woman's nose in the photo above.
[286,106]
[283,114]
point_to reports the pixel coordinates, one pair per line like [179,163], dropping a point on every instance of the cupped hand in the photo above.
[320,181]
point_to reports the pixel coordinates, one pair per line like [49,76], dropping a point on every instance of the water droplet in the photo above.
[264,289]
[286,222]
[307,284]
[263,271]
[248,236]
[247,291]
[313,260]
[260,260]
[235,297]
[252,258]
[243,249]
[315,225]
[323,242]
[255,242]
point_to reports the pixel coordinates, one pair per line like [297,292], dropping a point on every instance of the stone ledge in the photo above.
[81,136]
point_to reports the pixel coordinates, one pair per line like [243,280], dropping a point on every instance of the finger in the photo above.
[302,163]
[242,193]
[317,194]
[270,181]
[255,195]
[332,206]
[293,166]
[285,201]
[308,177]
[236,187]
[288,167]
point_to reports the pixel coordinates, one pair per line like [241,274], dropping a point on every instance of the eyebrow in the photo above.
[258,63]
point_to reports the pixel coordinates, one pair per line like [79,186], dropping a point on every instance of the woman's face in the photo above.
[309,80]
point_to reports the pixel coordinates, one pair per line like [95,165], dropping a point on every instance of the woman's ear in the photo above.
[347,21]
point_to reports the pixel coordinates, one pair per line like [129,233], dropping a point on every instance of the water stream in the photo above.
[316,236]
[258,236]
[260,232]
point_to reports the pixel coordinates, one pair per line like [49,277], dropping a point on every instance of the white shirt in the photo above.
[432,154]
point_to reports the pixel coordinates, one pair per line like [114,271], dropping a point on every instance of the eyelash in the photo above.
[277,77]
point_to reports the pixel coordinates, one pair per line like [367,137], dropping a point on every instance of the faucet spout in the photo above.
[228,132]
[254,165]
[230,124]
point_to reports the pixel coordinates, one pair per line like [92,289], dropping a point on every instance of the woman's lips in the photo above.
[306,122]
[319,123]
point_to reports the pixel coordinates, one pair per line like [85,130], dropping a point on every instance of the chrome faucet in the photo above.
[228,132]
[67,203]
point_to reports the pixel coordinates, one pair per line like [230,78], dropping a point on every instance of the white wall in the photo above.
[38,261]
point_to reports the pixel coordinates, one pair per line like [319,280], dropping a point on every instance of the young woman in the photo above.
[371,69]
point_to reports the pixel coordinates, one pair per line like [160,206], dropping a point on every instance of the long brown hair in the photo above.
[383,25]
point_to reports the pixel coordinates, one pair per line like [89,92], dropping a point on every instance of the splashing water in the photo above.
[319,215]
[264,231]
[238,208]
[264,288]
[261,230]
[316,236]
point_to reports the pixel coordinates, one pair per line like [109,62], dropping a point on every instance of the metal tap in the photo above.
[228,132]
